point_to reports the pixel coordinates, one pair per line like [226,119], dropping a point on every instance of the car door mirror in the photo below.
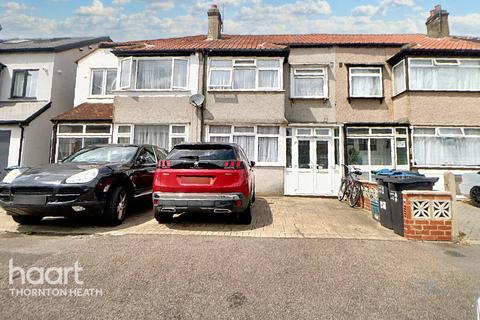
[252,163]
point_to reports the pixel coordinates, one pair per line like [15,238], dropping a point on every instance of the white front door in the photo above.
[311,170]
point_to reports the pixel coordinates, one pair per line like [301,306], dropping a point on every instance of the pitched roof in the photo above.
[282,42]
[88,112]
[21,111]
[53,44]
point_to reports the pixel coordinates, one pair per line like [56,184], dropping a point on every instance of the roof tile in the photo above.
[88,112]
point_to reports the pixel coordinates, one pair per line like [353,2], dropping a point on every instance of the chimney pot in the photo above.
[437,23]
[214,23]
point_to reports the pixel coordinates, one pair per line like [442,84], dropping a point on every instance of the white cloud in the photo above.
[468,24]
[97,9]
[382,7]
[120,2]
[14,6]
[161,5]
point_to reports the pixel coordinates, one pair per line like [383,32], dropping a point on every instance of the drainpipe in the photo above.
[21,144]
[204,92]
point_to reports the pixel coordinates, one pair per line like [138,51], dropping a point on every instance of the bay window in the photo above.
[154,73]
[399,80]
[309,83]
[444,74]
[103,82]
[73,137]
[366,82]
[164,136]
[24,84]
[455,147]
[245,74]
[260,143]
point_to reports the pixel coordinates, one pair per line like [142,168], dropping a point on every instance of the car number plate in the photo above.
[29,199]
[195,180]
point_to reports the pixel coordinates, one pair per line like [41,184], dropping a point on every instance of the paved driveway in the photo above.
[285,217]
[468,219]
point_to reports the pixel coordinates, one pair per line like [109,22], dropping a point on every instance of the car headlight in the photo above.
[83,177]
[12,175]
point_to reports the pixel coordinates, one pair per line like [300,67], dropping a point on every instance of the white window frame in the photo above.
[253,65]
[171,134]
[280,135]
[434,63]
[438,134]
[296,73]
[104,83]
[81,135]
[379,75]
[404,78]
[119,74]
[172,62]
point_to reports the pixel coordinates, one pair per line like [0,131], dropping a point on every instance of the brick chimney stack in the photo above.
[214,23]
[437,23]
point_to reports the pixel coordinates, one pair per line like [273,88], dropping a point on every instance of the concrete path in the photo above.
[278,217]
[468,219]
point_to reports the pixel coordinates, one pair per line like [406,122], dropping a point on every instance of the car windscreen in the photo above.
[104,154]
[202,153]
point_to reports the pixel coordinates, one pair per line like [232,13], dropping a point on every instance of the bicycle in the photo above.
[350,186]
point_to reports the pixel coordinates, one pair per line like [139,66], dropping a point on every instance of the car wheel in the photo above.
[475,196]
[163,217]
[117,206]
[245,217]
[27,219]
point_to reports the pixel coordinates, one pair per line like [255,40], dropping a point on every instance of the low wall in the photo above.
[427,215]
[369,198]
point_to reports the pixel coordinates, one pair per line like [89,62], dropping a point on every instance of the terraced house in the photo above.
[302,105]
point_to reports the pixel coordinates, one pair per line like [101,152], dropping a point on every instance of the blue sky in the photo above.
[147,19]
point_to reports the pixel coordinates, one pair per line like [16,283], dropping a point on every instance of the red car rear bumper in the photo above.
[199,202]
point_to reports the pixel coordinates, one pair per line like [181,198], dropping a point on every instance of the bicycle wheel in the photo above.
[355,194]
[343,190]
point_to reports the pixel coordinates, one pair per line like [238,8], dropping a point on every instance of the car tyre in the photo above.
[475,196]
[117,206]
[27,219]
[245,217]
[163,217]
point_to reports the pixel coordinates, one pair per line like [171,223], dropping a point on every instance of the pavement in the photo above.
[277,217]
[217,277]
[468,219]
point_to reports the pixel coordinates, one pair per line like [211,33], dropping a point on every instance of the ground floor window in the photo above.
[165,136]
[377,148]
[443,146]
[73,137]
[4,149]
[260,143]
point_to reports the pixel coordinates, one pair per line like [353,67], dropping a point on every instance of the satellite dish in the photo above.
[197,100]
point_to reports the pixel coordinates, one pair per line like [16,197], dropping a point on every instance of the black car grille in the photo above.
[52,194]
[33,190]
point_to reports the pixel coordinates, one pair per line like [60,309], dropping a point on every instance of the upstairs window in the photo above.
[245,74]
[103,82]
[154,74]
[309,83]
[399,83]
[366,82]
[444,74]
[24,84]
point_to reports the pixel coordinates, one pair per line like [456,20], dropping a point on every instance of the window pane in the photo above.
[220,129]
[66,128]
[180,70]
[68,146]
[381,151]
[421,62]
[304,154]
[401,131]
[322,154]
[402,151]
[123,140]
[221,63]
[430,131]
[382,131]
[152,134]
[358,131]
[154,74]
[304,132]
[472,132]
[178,129]
[176,141]
[399,84]
[322,132]
[309,87]
[448,151]
[268,130]
[97,129]
[111,81]
[267,149]
[97,82]
[445,77]
[244,78]
[248,145]
[93,141]
[289,153]
[126,69]
[366,86]
[124,129]
[357,151]
[337,151]
[31,90]
[220,139]
[268,79]
[289,132]
[450,131]
[364,70]
[18,83]
[268,63]
[220,78]
[244,129]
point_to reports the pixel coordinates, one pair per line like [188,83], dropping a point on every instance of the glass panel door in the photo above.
[304,154]
[322,155]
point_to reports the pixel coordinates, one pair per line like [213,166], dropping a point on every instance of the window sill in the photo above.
[22,99]
[244,91]
[380,99]
[150,90]
[309,98]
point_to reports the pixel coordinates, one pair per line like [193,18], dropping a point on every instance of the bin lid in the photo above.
[406,179]
[384,173]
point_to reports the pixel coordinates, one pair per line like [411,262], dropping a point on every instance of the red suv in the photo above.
[204,177]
